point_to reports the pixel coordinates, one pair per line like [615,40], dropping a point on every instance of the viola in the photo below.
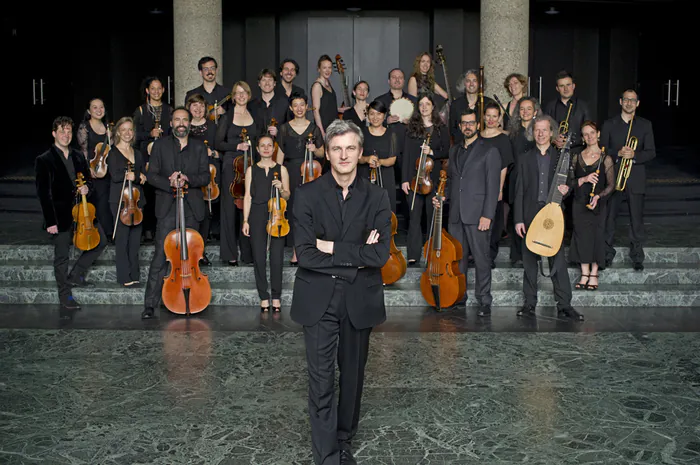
[98,164]
[442,284]
[130,214]
[240,167]
[310,168]
[85,236]
[211,109]
[211,191]
[277,223]
[421,182]
[186,290]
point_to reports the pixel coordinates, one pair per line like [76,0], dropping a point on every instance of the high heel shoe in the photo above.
[264,309]
[233,262]
[294,263]
[580,285]
[592,287]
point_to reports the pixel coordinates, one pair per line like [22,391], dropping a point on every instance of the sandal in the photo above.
[592,287]
[264,309]
[580,285]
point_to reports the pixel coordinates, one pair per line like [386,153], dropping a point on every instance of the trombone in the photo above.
[626,163]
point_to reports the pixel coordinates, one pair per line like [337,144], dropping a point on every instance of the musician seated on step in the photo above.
[56,171]
[469,84]
[536,169]
[559,108]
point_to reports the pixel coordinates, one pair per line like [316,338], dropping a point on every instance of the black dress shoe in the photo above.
[412,263]
[516,263]
[79,281]
[346,458]
[571,312]
[638,266]
[493,265]
[148,313]
[527,310]
[485,310]
[70,304]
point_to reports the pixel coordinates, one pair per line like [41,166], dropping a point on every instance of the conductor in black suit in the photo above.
[174,159]
[474,172]
[536,170]
[342,227]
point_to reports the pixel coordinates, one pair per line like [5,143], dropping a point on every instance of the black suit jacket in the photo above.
[144,124]
[527,184]
[317,216]
[55,188]
[614,136]
[579,113]
[166,158]
[474,189]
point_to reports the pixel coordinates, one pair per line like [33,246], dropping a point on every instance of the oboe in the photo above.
[597,171]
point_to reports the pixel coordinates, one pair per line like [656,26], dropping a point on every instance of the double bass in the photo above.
[395,268]
[98,164]
[421,182]
[211,191]
[186,290]
[340,67]
[240,167]
[442,284]
[310,168]
[85,235]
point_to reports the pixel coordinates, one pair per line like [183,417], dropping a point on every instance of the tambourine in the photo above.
[401,107]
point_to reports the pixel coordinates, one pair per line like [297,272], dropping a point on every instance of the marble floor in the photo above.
[99,386]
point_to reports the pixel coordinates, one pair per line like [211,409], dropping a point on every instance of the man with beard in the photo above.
[210,89]
[175,160]
[469,82]
[289,69]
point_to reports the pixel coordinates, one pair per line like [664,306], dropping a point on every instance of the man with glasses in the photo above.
[210,89]
[614,139]
[474,172]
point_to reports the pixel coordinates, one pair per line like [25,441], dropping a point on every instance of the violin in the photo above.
[130,214]
[85,236]
[310,168]
[186,290]
[240,166]
[212,115]
[421,182]
[441,283]
[395,268]
[277,223]
[98,164]
[211,191]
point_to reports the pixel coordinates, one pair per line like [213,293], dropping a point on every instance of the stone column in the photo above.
[198,32]
[504,45]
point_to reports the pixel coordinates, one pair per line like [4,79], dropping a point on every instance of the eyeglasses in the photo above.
[467,123]
[629,100]
[210,68]
[240,94]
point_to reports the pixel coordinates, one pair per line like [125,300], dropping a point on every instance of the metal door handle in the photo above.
[34,92]
[168,90]
[678,86]
[668,97]
[41,90]
[539,97]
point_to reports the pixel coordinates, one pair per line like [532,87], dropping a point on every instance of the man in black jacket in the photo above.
[56,171]
[175,159]
[559,108]
[342,236]
[474,172]
[536,170]
[212,91]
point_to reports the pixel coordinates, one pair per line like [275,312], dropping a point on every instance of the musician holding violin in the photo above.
[56,172]
[296,148]
[176,160]
[272,103]
[380,151]
[94,141]
[265,181]
[427,140]
[126,169]
[216,96]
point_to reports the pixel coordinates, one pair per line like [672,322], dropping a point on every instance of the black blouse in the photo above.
[439,142]
[293,144]
[117,167]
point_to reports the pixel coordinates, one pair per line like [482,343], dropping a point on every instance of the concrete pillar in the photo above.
[197,32]
[505,33]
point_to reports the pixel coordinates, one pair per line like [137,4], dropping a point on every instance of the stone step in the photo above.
[105,272]
[401,295]
[45,251]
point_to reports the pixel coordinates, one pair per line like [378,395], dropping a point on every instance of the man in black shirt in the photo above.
[289,69]
[174,159]
[271,104]
[614,138]
[536,170]
[469,84]
[213,93]
[559,108]
[396,83]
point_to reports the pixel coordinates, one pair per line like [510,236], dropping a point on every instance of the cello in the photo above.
[85,236]
[421,182]
[395,268]
[240,166]
[98,164]
[211,191]
[442,284]
[310,168]
[186,290]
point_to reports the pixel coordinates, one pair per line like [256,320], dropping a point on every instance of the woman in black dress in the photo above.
[204,130]
[379,150]
[228,141]
[425,120]
[422,81]
[515,85]
[127,238]
[293,140]
[92,131]
[358,113]
[588,238]
[323,98]
[259,181]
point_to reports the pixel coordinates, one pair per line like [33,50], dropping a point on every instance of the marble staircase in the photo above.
[671,279]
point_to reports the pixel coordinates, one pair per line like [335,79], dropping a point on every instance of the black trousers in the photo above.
[559,273]
[635,205]
[100,199]
[258,241]
[210,221]
[496,229]
[333,428]
[476,243]
[127,241]
[415,231]
[159,264]
[516,242]
[61,256]
[149,210]
[231,218]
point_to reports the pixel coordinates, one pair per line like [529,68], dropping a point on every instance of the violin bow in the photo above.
[116,220]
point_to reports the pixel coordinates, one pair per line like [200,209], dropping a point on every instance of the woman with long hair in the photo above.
[323,98]
[358,113]
[422,80]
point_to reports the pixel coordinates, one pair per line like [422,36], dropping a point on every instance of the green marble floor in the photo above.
[173,396]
